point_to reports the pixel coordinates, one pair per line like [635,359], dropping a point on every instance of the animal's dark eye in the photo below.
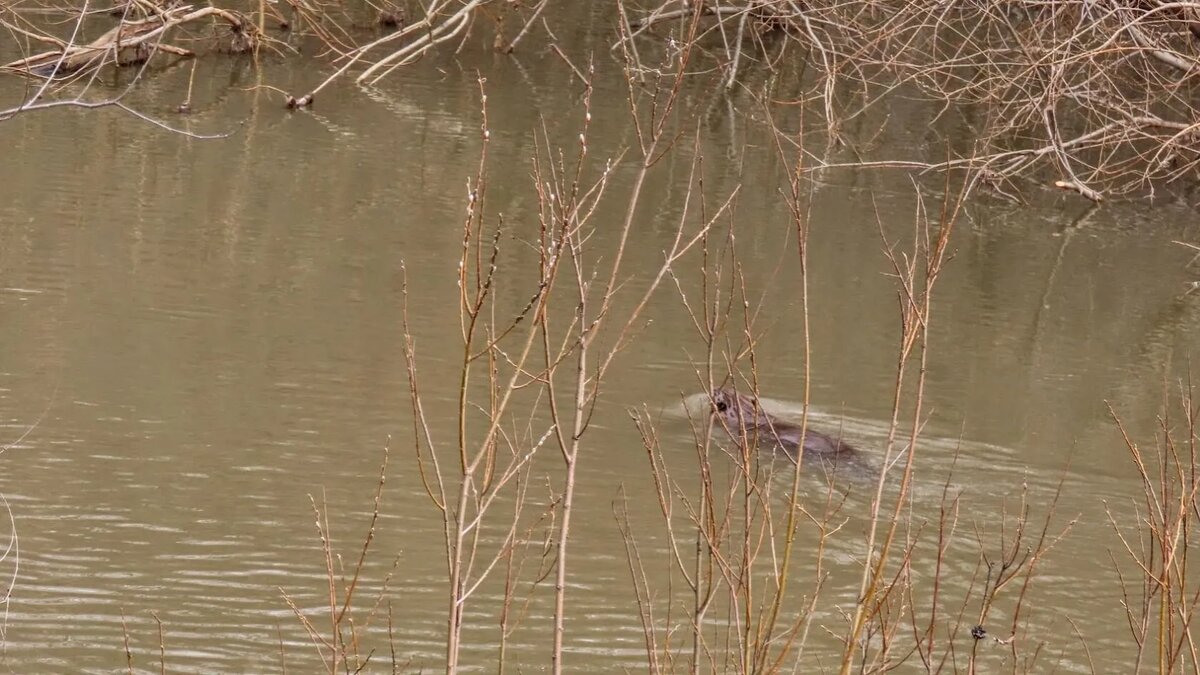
[721,406]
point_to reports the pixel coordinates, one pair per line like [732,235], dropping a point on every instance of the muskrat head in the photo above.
[738,411]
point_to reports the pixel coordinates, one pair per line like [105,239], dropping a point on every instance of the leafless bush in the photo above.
[554,353]
[735,516]
[1101,93]
[1159,589]
[339,637]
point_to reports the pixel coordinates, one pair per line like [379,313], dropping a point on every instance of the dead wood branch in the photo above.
[440,23]
[129,41]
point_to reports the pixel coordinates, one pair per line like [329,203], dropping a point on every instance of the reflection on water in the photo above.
[212,331]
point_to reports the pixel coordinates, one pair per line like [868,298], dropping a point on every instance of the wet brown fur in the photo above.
[745,420]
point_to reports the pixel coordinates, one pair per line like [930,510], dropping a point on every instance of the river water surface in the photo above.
[199,335]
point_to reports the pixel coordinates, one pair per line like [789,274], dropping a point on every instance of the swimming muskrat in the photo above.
[743,417]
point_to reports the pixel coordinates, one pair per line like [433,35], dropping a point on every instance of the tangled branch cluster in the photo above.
[134,31]
[1102,92]
[140,30]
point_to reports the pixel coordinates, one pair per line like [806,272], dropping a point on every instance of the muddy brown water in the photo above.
[198,335]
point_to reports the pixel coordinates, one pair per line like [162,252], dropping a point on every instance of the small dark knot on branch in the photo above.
[978,632]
